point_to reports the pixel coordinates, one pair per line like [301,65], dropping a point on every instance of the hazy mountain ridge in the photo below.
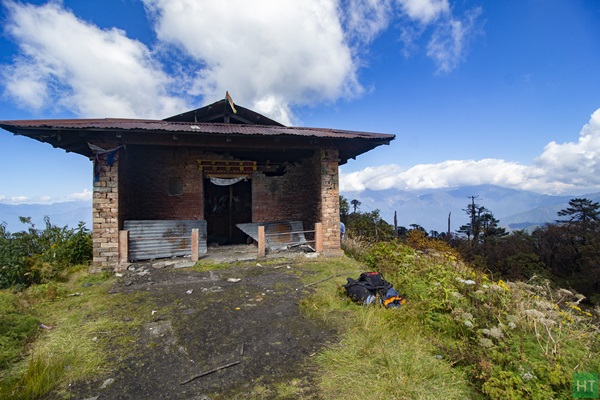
[516,209]
[60,214]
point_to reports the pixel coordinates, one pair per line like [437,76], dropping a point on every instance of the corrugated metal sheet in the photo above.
[187,128]
[152,239]
[278,234]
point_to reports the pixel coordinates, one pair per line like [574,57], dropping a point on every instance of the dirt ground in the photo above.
[243,319]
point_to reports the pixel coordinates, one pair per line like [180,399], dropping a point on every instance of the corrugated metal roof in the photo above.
[186,128]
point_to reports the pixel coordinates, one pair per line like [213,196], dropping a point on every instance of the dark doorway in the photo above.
[224,207]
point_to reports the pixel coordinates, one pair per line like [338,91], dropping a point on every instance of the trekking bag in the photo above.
[371,287]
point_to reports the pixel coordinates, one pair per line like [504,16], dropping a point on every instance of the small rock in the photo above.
[188,264]
[118,274]
[107,383]
[233,280]
[190,291]
[128,283]
[160,264]
[258,265]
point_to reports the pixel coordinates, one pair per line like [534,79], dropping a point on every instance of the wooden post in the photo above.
[123,247]
[319,237]
[262,245]
[195,250]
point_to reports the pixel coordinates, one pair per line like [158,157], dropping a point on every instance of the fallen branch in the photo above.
[211,371]
[326,279]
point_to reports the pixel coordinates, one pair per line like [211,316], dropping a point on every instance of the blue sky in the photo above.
[501,92]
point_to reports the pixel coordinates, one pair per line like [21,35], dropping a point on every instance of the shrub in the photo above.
[38,256]
[513,340]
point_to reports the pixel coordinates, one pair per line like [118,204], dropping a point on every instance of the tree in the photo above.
[355,203]
[483,225]
[580,210]
[369,227]
[344,209]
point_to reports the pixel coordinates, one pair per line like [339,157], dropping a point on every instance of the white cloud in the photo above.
[365,19]
[270,55]
[292,51]
[561,167]
[85,195]
[92,72]
[447,46]
[425,11]
[14,199]
[575,163]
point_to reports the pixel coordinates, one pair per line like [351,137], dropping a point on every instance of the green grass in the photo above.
[16,327]
[382,353]
[460,335]
[87,326]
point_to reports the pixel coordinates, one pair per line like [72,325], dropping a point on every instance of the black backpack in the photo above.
[367,288]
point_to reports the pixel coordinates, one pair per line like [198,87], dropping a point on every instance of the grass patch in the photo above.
[87,325]
[204,266]
[387,357]
[381,352]
[460,335]
[16,328]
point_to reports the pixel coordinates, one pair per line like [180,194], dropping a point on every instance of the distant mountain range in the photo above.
[60,214]
[516,209]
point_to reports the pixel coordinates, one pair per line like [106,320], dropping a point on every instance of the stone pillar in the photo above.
[330,202]
[105,209]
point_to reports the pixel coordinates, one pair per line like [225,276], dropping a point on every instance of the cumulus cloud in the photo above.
[14,199]
[577,163]
[292,51]
[92,72]
[560,168]
[85,195]
[289,53]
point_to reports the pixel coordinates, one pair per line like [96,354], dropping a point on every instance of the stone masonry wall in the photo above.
[330,201]
[105,211]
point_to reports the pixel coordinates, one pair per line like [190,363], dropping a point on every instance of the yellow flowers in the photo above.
[503,285]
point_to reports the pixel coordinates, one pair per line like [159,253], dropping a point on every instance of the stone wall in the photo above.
[105,209]
[330,201]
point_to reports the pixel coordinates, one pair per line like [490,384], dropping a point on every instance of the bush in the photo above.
[513,340]
[38,256]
